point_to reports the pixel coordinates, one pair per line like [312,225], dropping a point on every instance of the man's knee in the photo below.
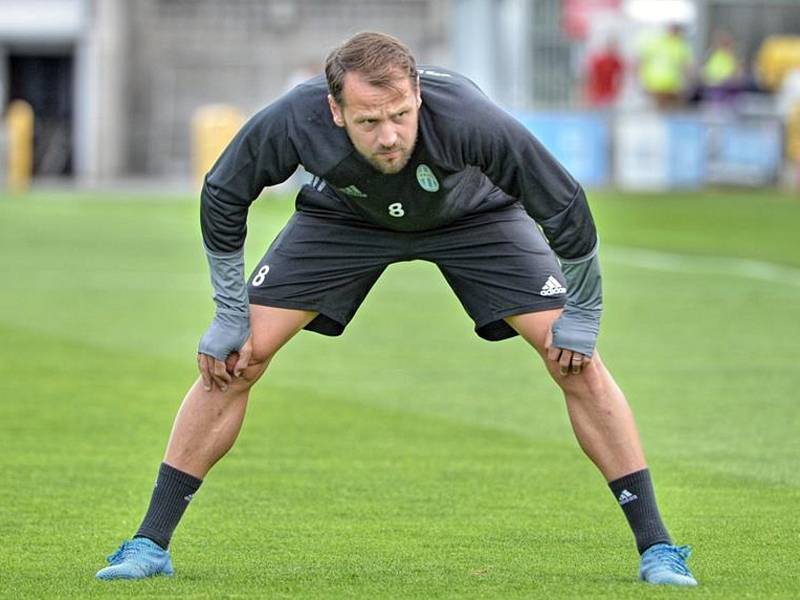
[271,328]
[257,365]
[592,383]
[261,354]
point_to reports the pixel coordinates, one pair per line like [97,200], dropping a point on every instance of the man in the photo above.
[407,164]
[722,71]
[665,68]
[605,74]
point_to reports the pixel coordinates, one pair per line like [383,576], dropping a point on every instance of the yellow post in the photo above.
[793,134]
[213,127]
[793,142]
[19,124]
[777,55]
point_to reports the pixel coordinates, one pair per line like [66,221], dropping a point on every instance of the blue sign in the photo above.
[686,156]
[579,141]
[656,151]
[746,153]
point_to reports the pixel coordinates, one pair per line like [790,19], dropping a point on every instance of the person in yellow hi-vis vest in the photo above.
[722,72]
[665,67]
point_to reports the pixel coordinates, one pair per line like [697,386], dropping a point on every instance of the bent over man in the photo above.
[408,164]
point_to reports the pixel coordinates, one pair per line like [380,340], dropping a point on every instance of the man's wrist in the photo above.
[577,329]
[227,333]
[231,325]
[579,324]
[226,271]
[584,282]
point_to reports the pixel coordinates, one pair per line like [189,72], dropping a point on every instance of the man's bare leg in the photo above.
[604,426]
[208,422]
[599,413]
[205,428]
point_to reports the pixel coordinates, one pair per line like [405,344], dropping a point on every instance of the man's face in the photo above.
[381,122]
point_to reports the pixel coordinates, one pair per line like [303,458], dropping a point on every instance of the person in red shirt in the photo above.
[604,75]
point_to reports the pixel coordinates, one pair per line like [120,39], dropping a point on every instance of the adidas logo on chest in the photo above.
[352,190]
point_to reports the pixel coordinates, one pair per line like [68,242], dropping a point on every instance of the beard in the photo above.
[396,165]
[378,161]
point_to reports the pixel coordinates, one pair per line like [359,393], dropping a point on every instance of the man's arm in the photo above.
[522,167]
[574,333]
[260,155]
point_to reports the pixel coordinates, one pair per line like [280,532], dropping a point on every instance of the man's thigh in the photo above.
[498,264]
[535,327]
[272,327]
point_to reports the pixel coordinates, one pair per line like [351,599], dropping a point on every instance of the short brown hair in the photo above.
[380,58]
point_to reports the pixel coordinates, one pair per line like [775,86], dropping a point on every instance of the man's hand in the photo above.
[220,373]
[575,332]
[568,361]
[228,334]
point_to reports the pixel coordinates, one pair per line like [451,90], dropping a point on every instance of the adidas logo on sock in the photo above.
[626,497]
[552,287]
[189,497]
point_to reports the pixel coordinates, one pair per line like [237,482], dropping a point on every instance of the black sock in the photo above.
[635,495]
[172,494]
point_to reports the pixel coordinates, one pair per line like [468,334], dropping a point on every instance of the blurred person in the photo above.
[408,164]
[605,71]
[722,71]
[787,97]
[665,67]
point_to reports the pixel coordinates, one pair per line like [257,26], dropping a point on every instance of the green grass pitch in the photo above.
[408,458]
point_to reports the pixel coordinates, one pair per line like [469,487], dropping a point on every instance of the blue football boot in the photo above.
[665,564]
[136,559]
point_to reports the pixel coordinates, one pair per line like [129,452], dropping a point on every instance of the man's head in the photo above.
[676,29]
[374,94]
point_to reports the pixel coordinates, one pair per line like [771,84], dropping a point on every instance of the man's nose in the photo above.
[387,135]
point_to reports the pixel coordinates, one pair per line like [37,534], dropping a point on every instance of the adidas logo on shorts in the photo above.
[552,287]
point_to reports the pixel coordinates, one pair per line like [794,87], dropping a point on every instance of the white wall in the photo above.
[50,20]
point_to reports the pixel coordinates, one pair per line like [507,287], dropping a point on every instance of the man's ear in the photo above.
[419,93]
[336,111]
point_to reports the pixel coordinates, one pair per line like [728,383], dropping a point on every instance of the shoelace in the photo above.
[124,551]
[673,557]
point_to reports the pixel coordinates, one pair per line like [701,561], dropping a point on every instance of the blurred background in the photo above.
[633,94]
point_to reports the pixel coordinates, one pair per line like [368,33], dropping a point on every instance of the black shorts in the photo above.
[497,263]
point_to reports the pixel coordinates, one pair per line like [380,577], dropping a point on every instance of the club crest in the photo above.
[427,180]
